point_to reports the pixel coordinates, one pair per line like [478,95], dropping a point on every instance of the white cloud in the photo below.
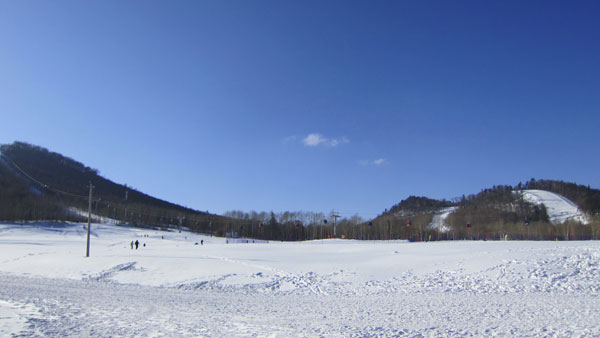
[315,139]
[380,161]
[337,141]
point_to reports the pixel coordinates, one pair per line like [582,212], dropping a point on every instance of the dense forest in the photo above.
[36,184]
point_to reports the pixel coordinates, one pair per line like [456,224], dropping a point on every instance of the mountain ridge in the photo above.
[36,183]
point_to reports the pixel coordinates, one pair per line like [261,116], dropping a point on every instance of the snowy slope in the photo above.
[560,209]
[439,219]
[94,217]
[330,288]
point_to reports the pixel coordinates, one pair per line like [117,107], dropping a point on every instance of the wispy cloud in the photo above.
[379,162]
[315,140]
[289,139]
[374,163]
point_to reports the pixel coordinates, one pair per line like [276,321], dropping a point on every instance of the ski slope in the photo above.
[175,287]
[560,209]
[438,222]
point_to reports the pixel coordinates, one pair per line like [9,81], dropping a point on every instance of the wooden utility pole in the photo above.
[87,250]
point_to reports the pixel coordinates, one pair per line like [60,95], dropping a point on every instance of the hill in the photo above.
[36,183]
[525,211]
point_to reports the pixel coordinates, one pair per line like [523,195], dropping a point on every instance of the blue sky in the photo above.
[307,105]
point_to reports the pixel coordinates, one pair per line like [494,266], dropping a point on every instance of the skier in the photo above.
[137,243]
[131,245]
[202,242]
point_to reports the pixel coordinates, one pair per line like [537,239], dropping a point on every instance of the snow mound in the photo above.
[560,209]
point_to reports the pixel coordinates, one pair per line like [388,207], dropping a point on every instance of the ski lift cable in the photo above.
[106,202]
[129,209]
[358,213]
[43,185]
[46,186]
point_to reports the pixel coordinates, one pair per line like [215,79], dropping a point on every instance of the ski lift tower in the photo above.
[335,217]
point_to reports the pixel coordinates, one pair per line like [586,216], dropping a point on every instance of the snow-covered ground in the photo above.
[560,208]
[176,287]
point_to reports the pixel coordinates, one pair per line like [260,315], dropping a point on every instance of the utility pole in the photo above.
[335,217]
[87,250]
[126,194]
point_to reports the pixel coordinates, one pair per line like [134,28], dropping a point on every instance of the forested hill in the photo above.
[492,213]
[418,205]
[586,198]
[36,183]
[502,197]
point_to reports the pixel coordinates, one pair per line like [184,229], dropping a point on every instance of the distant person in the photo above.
[202,242]
[137,243]
[131,245]
[144,245]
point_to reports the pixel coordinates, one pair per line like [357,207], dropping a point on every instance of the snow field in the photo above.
[332,288]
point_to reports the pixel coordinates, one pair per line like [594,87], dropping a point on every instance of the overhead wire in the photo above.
[43,185]
[97,201]
[129,209]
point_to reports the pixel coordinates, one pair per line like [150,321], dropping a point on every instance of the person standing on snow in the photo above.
[137,243]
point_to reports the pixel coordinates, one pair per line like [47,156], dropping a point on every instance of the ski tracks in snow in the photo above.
[267,279]
[558,271]
[72,308]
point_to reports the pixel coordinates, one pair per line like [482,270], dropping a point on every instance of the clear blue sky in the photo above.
[307,105]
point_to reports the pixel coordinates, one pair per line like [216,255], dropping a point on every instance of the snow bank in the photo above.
[560,209]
